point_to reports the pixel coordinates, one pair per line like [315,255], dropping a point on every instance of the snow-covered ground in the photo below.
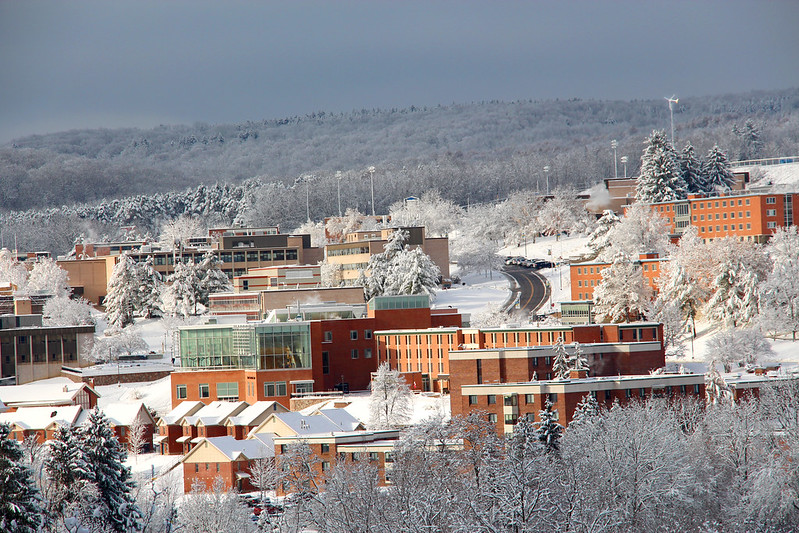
[787,174]
[475,292]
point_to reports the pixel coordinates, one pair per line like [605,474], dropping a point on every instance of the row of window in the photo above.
[731,227]
[419,368]
[587,270]
[332,252]
[230,391]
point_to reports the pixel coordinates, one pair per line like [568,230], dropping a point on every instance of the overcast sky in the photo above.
[109,63]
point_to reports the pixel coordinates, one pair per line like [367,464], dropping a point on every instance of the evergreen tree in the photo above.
[660,179]
[779,309]
[20,509]
[623,292]
[380,266]
[717,391]
[180,297]
[212,278]
[735,294]
[691,170]
[599,238]
[717,172]
[548,430]
[414,273]
[66,469]
[122,295]
[578,361]
[560,363]
[105,459]
[587,409]
[149,288]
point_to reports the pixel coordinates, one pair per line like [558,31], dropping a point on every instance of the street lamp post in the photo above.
[371,171]
[338,190]
[614,144]
[307,197]
[546,173]
[624,162]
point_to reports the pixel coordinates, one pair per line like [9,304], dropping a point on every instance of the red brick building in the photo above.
[226,458]
[586,276]
[430,350]
[170,427]
[330,347]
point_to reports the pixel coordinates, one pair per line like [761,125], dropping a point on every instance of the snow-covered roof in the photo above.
[216,413]
[341,418]
[233,449]
[251,414]
[54,392]
[124,414]
[38,418]
[176,415]
[308,425]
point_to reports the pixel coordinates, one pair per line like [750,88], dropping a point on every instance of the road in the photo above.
[532,289]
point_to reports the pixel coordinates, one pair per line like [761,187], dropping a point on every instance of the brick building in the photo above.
[226,458]
[430,350]
[329,347]
[170,427]
[586,276]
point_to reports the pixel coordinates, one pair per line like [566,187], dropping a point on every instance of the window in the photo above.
[492,418]
[642,392]
[552,397]
[367,334]
[492,399]
[325,362]
[205,390]
[628,393]
[325,448]
[608,395]
[227,391]
[303,388]
[367,353]
[180,392]
[328,336]
[353,335]
[771,225]
[196,467]
[283,448]
[325,466]
[529,398]
[511,419]
[771,212]
[472,399]
[354,353]
[277,388]
[771,200]
[696,389]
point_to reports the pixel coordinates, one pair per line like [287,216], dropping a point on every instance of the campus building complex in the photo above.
[586,276]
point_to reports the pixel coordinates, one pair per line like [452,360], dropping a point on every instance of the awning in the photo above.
[159,439]
[195,440]
[184,438]
[300,381]
[242,475]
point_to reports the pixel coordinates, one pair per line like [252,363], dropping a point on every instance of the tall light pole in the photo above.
[624,162]
[307,179]
[673,100]
[371,171]
[338,189]
[546,173]
[614,144]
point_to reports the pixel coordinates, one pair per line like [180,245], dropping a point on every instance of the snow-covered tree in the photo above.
[599,239]
[623,292]
[391,401]
[578,361]
[779,294]
[691,171]
[490,316]
[64,311]
[563,213]
[150,286]
[212,278]
[560,361]
[67,471]
[105,459]
[122,295]
[177,232]
[660,179]
[716,170]
[750,139]
[739,347]
[207,510]
[20,503]
[437,215]
[11,270]
[181,295]
[717,392]
[413,273]
[115,342]
[641,230]
[678,290]
[587,409]
[353,220]
[548,430]
[667,312]
[48,278]
[381,266]
[316,230]
[735,293]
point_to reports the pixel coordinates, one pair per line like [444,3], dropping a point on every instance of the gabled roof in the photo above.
[235,450]
[342,419]
[53,392]
[40,418]
[297,424]
[216,413]
[184,409]
[256,413]
[123,414]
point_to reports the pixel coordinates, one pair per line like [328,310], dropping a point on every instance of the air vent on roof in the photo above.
[53,414]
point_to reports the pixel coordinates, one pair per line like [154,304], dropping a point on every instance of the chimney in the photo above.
[23,306]
[578,374]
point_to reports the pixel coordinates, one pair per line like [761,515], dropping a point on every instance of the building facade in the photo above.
[586,276]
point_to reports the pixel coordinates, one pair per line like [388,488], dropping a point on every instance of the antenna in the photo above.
[673,100]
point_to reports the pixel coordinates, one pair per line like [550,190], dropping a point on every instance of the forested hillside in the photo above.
[55,187]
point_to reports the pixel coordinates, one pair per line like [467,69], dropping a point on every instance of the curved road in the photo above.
[532,288]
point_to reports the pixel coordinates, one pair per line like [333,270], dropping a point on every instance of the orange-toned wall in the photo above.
[586,276]
[91,275]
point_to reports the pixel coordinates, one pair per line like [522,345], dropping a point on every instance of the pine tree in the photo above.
[560,363]
[66,469]
[660,179]
[105,458]
[548,430]
[212,278]
[578,361]
[735,294]
[150,286]
[717,391]
[717,172]
[122,295]
[622,294]
[381,266]
[599,238]
[180,297]
[691,170]
[587,409]
[414,273]
[20,508]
